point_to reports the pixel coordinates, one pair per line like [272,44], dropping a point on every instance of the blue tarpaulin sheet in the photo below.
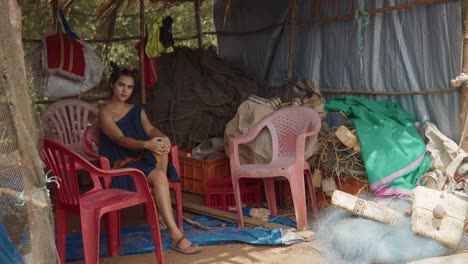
[8,251]
[138,239]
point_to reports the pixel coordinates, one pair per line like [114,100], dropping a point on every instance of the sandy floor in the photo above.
[235,253]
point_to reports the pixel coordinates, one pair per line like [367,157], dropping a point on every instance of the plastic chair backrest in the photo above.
[91,139]
[67,120]
[64,164]
[285,125]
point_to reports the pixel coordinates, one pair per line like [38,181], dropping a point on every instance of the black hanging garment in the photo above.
[165,34]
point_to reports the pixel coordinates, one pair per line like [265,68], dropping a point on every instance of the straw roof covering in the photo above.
[109,10]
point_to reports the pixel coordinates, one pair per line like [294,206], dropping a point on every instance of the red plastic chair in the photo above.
[288,128]
[67,120]
[93,204]
[91,138]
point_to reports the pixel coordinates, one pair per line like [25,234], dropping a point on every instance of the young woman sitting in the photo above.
[129,140]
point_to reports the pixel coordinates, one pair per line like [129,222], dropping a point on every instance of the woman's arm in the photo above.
[113,132]
[150,130]
[162,141]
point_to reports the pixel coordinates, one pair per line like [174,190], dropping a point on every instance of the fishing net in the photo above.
[347,238]
[25,205]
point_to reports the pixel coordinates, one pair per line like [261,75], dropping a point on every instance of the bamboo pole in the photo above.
[196,3]
[26,198]
[292,37]
[426,92]
[142,50]
[464,93]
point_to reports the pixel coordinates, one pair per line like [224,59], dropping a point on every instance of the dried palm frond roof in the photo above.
[109,10]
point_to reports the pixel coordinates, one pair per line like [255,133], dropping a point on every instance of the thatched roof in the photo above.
[109,10]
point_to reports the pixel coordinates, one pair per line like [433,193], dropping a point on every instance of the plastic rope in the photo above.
[20,198]
[51,179]
[66,26]
[362,20]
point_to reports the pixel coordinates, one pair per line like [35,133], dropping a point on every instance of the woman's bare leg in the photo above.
[158,180]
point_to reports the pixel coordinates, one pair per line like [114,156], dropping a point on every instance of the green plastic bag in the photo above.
[394,153]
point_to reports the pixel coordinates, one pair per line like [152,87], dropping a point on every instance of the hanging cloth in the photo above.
[165,34]
[154,47]
[393,152]
[151,73]
[64,55]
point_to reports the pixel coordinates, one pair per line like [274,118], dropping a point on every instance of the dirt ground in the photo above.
[235,253]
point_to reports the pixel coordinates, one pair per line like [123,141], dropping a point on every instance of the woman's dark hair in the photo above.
[117,72]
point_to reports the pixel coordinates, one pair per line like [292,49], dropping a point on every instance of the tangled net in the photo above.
[334,158]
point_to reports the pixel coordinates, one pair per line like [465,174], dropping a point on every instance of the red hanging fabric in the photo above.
[151,73]
[64,55]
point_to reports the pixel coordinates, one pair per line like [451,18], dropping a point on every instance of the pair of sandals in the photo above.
[192,249]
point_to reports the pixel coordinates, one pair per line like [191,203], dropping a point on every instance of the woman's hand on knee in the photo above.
[162,145]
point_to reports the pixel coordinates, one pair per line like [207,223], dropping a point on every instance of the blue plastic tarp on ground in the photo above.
[138,239]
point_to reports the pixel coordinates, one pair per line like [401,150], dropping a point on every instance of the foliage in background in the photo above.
[37,23]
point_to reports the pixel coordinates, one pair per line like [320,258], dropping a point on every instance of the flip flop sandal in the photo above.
[186,250]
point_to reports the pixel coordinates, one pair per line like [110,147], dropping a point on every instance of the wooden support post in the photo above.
[464,93]
[292,37]
[55,10]
[198,22]
[142,51]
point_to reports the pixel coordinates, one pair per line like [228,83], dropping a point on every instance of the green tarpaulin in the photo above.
[394,153]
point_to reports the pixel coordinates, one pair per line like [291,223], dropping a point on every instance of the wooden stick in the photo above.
[27,40]
[464,97]
[292,37]
[248,221]
[28,199]
[142,50]
[426,92]
[338,18]
[196,3]
[199,225]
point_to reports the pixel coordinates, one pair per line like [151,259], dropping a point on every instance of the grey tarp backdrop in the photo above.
[414,49]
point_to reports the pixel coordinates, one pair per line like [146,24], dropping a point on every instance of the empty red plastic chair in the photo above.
[93,204]
[288,128]
[91,139]
[66,121]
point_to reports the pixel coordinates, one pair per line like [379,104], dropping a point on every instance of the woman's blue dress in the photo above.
[131,126]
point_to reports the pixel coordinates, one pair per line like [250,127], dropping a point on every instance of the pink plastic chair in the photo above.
[93,204]
[67,120]
[91,138]
[288,128]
